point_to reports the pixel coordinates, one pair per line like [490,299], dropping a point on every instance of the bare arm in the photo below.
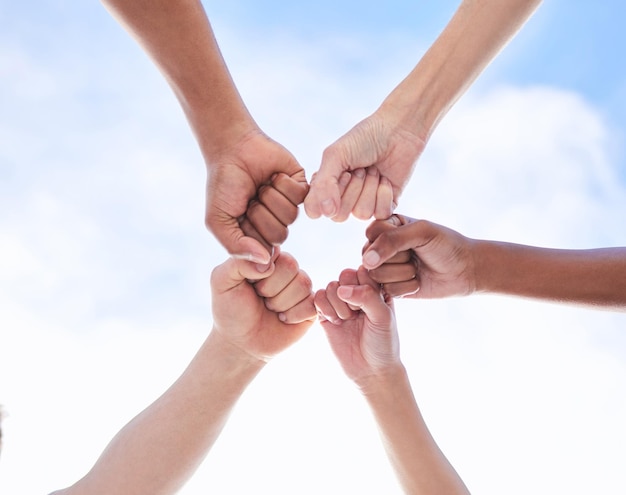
[591,277]
[392,139]
[178,37]
[157,451]
[420,465]
[474,36]
[360,326]
[446,263]
[240,159]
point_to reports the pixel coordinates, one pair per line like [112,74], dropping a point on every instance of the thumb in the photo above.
[369,300]
[377,227]
[233,272]
[324,195]
[391,242]
[239,245]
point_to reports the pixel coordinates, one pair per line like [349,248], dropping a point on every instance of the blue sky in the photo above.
[104,259]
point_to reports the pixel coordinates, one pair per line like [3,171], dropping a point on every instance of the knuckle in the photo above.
[270,304]
[278,235]
[261,288]
[375,275]
[331,288]
[331,153]
[362,213]
[292,215]
[265,194]
[288,263]
[319,296]
[304,282]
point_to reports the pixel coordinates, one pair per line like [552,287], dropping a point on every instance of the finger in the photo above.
[349,277]
[402,289]
[297,290]
[233,272]
[286,269]
[266,224]
[364,278]
[389,243]
[384,199]
[248,229]
[377,227]
[323,197]
[238,244]
[370,300]
[278,204]
[366,204]
[294,188]
[325,310]
[351,195]
[401,257]
[302,311]
[393,272]
[344,180]
[340,307]
[224,209]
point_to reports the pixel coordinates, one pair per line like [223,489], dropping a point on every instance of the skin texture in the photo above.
[359,322]
[450,264]
[392,139]
[240,158]
[274,208]
[365,171]
[157,452]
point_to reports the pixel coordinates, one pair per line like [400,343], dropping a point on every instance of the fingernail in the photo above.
[344,179]
[282,317]
[261,259]
[345,291]
[328,207]
[262,267]
[360,173]
[371,259]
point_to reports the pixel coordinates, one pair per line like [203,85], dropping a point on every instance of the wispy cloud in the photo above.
[105,263]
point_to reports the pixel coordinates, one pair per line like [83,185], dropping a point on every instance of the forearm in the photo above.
[473,37]
[594,277]
[178,37]
[420,465]
[159,449]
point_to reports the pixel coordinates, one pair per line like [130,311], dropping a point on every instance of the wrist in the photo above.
[381,382]
[233,357]
[219,133]
[475,269]
[402,112]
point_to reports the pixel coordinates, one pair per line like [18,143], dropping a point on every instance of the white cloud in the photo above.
[105,265]
[530,165]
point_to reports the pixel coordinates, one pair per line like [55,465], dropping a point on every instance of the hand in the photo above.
[398,275]
[360,325]
[262,313]
[236,176]
[381,146]
[443,264]
[273,210]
